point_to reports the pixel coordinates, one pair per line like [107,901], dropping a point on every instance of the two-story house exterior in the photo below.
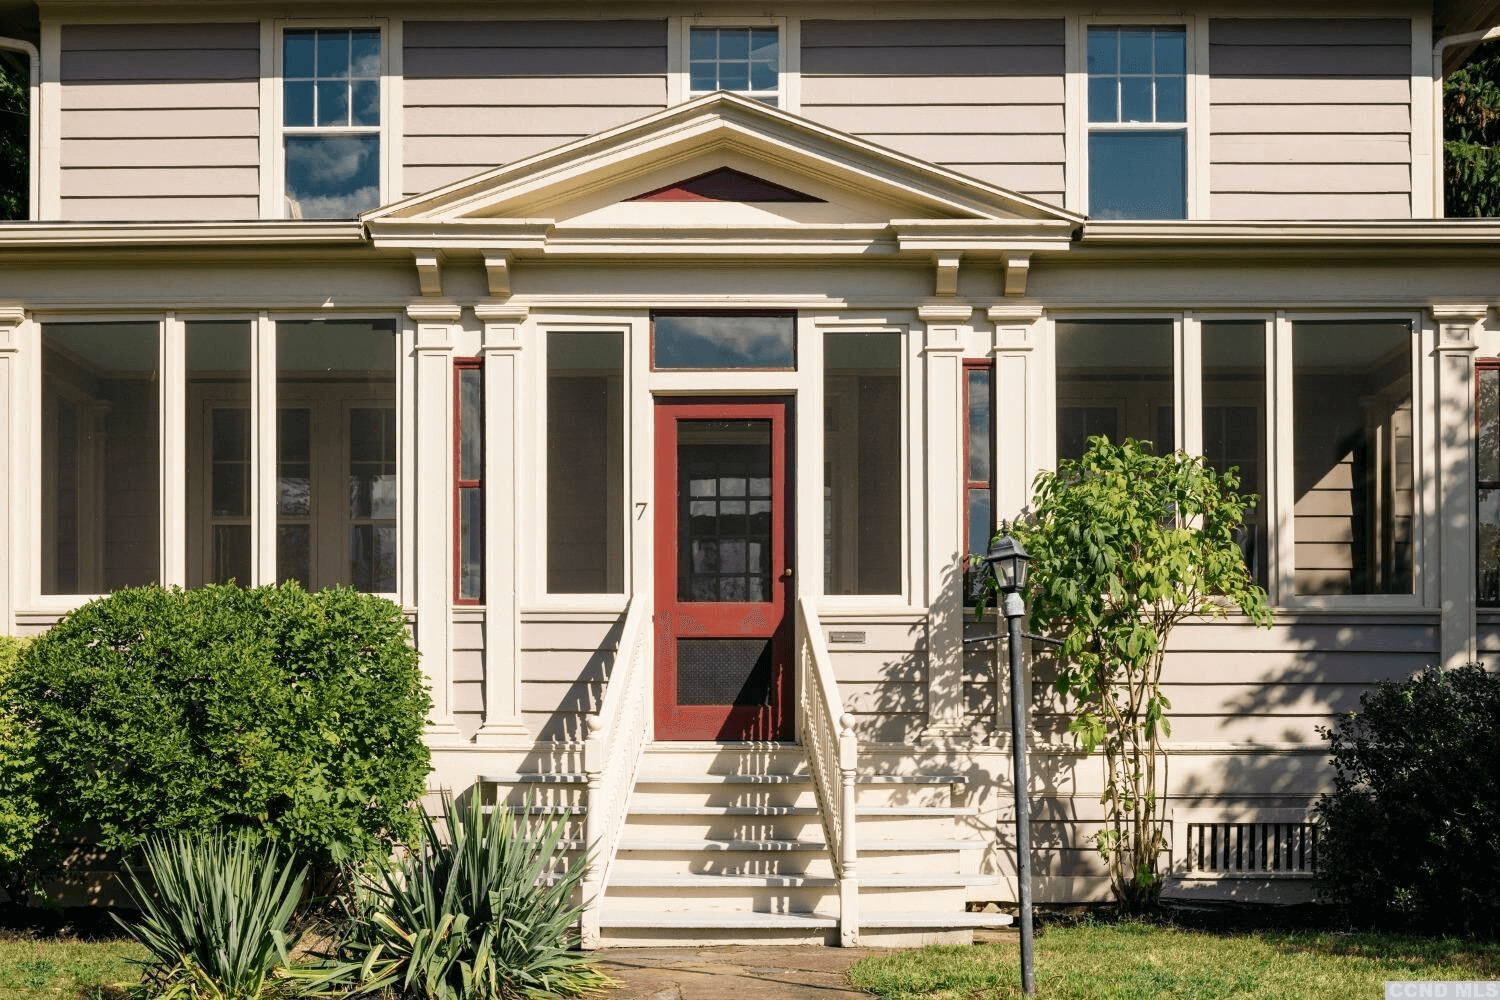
[664,360]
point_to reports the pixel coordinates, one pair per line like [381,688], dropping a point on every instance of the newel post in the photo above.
[848,850]
[592,885]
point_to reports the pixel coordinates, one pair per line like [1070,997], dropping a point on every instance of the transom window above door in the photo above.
[707,341]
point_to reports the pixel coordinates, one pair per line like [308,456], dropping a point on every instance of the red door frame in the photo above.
[730,620]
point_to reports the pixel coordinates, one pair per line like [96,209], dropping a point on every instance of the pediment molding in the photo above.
[839,195]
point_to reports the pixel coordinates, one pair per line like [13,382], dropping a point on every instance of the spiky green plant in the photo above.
[478,911]
[216,914]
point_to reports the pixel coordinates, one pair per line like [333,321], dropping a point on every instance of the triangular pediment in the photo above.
[718,165]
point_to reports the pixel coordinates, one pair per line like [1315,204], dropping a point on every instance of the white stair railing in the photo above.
[832,755]
[614,738]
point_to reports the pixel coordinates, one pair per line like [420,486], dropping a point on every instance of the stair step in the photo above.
[541,810]
[925,881]
[533,777]
[653,844]
[722,779]
[918,811]
[723,810]
[708,921]
[913,779]
[715,881]
[939,921]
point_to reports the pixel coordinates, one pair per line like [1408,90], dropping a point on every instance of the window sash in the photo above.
[468,587]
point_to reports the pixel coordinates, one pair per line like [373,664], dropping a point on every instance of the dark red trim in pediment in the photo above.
[724,184]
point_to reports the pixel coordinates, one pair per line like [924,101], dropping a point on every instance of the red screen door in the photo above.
[723,580]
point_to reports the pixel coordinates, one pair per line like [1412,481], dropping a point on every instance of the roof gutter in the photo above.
[1443,44]
[34,143]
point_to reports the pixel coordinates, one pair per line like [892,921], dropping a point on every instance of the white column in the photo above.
[434,507]
[1453,437]
[942,355]
[503,478]
[1014,422]
[11,318]
[172,471]
[263,472]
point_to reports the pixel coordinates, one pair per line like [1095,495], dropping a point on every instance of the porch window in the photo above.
[1487,445]
[1114,379]
[979,449]
[585,463]
[336,448]
[1234,422]
[862,484]
[468,476]
[219,453]
[101,484]
[1354,510]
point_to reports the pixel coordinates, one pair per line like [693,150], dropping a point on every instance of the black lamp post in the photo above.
[1008,559]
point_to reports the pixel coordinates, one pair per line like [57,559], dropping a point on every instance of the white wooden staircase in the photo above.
[701,844]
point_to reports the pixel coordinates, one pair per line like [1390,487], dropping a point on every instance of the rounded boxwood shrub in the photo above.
[1411,831]
[292,716]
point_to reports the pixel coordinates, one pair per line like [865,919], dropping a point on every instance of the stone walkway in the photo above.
[733,973]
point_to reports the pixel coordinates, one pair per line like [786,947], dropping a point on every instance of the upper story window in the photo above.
[745,60]
[1137,122]
[330,117]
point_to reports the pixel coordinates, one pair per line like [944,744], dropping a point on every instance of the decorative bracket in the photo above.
[10,318]
[1017,268]
[497,272]
[429,272]
[946,279]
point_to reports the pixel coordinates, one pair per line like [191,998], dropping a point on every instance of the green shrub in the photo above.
[470,915]
[20,818]
[1411,830]
[284,714]
[216,914]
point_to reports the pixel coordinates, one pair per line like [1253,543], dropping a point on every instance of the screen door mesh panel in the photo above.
[723,671]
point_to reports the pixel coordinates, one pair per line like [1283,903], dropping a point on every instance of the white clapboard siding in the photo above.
[1310,119]
[482,93]
[981,96]
[160,121]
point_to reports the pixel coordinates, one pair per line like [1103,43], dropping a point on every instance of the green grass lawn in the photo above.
[1129,961]
[63,968]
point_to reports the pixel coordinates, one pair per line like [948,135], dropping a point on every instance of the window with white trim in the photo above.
[1137,122]
[738,58]
[330,121]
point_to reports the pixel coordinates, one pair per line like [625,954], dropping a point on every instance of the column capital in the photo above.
[1456,323]
[490,311]
[11,317]
[934,313]
[433,312]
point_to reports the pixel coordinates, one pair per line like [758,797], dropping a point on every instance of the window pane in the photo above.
[297,102]
[1135,99]
[1488,437]
[471,423]
[1104,96]
[724,540]
[365,108]
[979,424]
[297,54]
[708,340]
[738,59]
[471,543]
[333,54]
[1136,55]
[1138,175]
[704,43]
[1104,51]
[218,452]
[1115,379]
[1352,452]
[1234,421]
[862,462]
[332,177]
[100,477]
[337,446]
[364,53]
[979,520]
[734,43]
[1171,51]
[585,471]
[1171,99]
[1489,546]
[333,102]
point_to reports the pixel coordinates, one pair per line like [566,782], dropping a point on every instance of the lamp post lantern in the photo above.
[1008,559]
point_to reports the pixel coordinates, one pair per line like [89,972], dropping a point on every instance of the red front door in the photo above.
[723,575]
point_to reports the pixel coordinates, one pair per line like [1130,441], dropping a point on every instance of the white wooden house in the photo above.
[665,359]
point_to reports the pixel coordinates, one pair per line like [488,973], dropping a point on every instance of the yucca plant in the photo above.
[475,912]
[216,916]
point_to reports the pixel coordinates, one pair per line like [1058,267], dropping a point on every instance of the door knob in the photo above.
[786,574]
